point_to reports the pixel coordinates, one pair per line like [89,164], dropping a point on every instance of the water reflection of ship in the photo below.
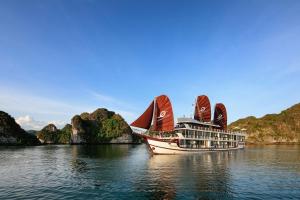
[205,174]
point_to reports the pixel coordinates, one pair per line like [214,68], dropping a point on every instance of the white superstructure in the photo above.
[192,136]
[189,135]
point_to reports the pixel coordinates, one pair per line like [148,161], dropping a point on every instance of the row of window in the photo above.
[201,127]
[207,135]
[197,144]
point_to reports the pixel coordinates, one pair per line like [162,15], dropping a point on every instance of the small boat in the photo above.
[189,135]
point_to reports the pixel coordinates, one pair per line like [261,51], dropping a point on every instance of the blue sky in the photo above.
[59,58]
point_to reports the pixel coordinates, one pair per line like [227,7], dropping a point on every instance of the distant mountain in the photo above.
[32,132]
[272,128]
[12,134]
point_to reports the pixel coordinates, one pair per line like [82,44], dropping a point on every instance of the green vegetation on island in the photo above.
[272,128]
[100,126]
[12,134]
[65,134]
[51,135]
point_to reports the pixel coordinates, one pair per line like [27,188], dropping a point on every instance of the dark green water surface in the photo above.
[130,172]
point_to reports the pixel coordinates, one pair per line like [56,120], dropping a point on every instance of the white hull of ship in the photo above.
[171,148]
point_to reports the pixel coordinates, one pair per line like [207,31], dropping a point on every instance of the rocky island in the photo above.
[282,128]
[12,134]
[100,126]
[51,135]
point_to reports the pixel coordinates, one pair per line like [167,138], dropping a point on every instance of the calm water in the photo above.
[128,172]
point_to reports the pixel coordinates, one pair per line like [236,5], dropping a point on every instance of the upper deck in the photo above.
[185,120]
[192,124]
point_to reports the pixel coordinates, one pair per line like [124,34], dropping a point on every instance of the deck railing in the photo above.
[214,130]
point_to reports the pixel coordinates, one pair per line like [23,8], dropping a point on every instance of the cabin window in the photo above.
[182,142]
[184,133]
[190,133]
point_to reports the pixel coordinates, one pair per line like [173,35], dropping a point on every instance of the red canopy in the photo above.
[159,112]
[202,109]
[220,115]
[144,121]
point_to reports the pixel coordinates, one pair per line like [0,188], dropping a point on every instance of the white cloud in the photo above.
[27,107]
[28,123]
[58,123]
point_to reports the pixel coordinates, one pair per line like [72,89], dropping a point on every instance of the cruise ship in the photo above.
[189,135]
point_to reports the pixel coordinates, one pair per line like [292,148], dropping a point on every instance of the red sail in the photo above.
[144,121]
[220,116]
[202,109]
[163,114]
